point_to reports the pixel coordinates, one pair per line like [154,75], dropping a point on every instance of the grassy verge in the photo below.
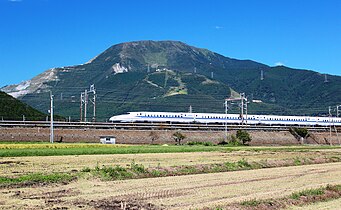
[300,198]
[135,170]
[45,149]
[139,171]
[37,178]
[91,150]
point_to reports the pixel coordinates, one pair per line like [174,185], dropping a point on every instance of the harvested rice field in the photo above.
[14,166]
[217,179]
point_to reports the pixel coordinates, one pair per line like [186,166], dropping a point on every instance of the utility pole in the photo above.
[93,90]
[51,117]
[242,105]
[94,116]
[246,102]
[84,101]
[85,104]
[330,124]
[81,107]
[226,108]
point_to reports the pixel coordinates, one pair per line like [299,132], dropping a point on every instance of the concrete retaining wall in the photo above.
[145,137]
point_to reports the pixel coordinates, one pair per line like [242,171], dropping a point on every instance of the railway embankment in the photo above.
[259,137]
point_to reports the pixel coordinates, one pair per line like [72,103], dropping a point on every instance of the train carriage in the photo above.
[182,117]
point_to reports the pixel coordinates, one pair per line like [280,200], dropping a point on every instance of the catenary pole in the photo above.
[51,118]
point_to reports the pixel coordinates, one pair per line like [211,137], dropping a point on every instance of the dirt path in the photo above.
[179,192]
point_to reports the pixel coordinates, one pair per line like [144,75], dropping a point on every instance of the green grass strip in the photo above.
[95,149]
[104,150]
[38,178]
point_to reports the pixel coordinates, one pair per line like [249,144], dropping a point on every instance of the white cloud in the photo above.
[279,64]
[218,27]
[15,0]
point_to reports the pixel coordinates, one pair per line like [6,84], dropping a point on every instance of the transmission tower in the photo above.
[325,78]
[261,74]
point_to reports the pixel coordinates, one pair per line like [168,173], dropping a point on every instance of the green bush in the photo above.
[116,172]
[243,136]
[206,143]
[222,143]
[302,132]
[178,137]
[137,168]
[252,202]
[86,169]
[234,141]
[310,192]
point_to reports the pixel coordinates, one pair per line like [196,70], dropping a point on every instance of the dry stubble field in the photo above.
[208,190]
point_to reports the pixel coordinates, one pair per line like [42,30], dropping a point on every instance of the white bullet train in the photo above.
[178,117]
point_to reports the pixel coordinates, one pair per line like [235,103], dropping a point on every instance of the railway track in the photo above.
[154,126]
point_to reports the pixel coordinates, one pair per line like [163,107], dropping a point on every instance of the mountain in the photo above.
[171,76]
[13,109]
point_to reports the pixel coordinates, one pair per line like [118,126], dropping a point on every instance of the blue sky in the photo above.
[36,35]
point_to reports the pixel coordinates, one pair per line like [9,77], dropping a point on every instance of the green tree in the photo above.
[243,136]
[178,137]
[302,132]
